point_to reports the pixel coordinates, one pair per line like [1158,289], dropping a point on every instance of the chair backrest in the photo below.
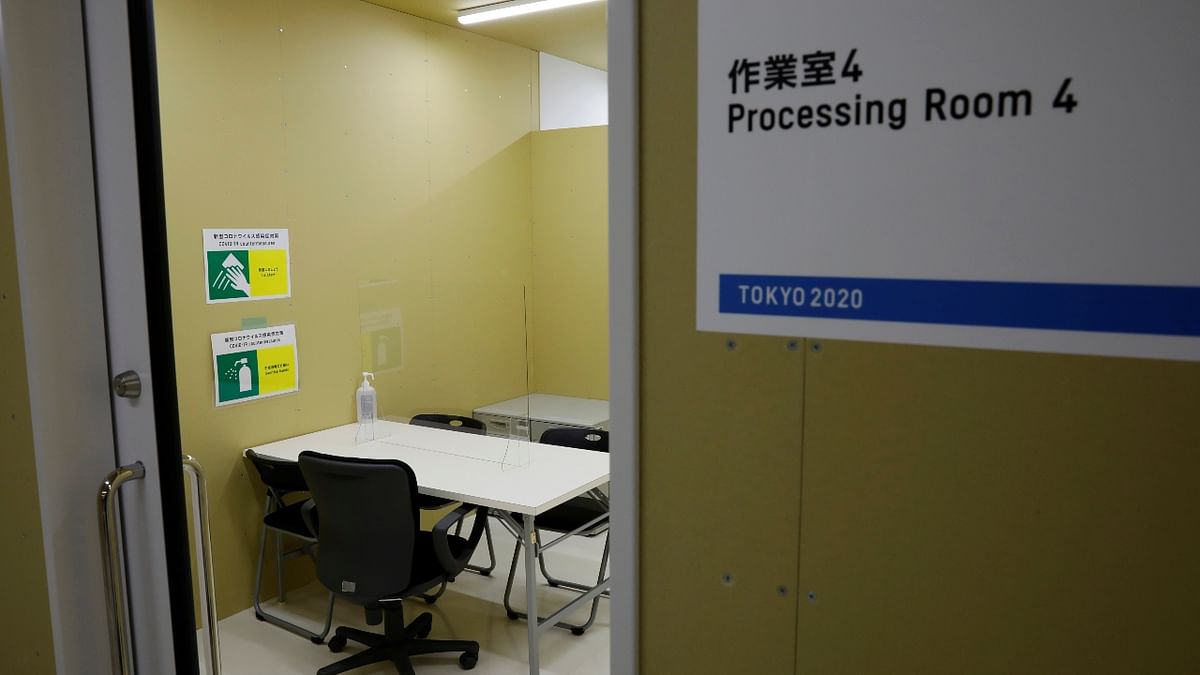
[573,437]
[369,524]
[469,425]
[278,475]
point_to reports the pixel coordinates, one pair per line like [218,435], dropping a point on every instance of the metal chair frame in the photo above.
[443,421]
[274,503]
[569,437]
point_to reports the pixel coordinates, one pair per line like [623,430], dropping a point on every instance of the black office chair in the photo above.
[586,515]
[282,479]
[468,425]
[374,553]
[452,422]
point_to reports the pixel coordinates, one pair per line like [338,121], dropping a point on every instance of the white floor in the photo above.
[471,609]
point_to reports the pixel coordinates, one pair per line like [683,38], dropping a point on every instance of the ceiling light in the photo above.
[504,10]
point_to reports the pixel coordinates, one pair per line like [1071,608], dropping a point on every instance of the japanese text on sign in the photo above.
[785,71]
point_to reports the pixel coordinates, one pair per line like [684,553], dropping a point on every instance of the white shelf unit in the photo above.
[526,417]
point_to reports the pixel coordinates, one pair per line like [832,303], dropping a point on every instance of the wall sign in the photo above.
[1015,175]
[246,265]
[253,364]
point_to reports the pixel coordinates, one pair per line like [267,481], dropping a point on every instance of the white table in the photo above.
[507,475]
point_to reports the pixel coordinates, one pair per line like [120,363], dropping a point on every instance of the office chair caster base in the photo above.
[423,625]
[337,643]
[468,660]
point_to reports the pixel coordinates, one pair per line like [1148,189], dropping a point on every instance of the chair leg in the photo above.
[318,639]
[432,597]
[487,531]
[399,652]
[262,615]
[512,573]
[542,561]
[362,637]
[279,580]
[363,658]
[565,583]
[441,646]
[576,629]
[397,643]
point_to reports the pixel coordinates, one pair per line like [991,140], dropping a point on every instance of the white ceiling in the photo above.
[578,33]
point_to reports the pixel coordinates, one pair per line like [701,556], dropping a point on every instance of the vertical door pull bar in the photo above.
[204,544]
[114,572]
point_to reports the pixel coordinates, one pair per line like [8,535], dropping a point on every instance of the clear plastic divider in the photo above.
[444,354]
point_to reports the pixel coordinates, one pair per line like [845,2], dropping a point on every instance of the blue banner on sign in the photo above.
[1101,308]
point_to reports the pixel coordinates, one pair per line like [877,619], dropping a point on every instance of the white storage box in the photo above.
[526,417]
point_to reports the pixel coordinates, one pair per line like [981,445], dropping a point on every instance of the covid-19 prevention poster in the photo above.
[254,364]
[242,265]
[1014,175]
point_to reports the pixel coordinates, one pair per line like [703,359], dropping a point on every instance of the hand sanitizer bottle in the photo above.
[367,410]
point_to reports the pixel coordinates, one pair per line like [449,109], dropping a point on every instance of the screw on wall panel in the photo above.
[727,579]
[792,345]
[812,597]
[782,591]
[731,345]
[816,346]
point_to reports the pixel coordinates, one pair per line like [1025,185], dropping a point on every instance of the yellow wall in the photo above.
[396,151]
[25,637]
[569,330]
[951,511]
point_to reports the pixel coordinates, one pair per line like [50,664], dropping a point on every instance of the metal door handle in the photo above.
[204,544]
[114,573]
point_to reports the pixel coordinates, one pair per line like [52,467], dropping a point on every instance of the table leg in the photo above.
[529,537]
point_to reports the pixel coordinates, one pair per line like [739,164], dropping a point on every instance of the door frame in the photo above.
[58,269]
[55,217]
[624,333]
[62,180]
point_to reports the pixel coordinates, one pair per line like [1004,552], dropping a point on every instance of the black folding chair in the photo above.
[468,425]
[282,479]
[586,515]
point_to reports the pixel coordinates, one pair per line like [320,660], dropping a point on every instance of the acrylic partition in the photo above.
[439,349]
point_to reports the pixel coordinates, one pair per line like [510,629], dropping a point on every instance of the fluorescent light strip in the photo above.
[504,10]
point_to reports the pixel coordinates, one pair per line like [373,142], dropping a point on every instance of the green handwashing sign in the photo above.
[237,375]
[228,275]
[246,264]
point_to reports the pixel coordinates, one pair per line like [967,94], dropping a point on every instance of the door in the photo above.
[84,157]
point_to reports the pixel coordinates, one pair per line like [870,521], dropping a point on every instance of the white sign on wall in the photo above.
[1016,175]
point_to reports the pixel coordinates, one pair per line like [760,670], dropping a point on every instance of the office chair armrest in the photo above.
[441,542]
[308,513]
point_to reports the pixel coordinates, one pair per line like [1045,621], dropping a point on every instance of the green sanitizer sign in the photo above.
[237,375]
[253,364]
